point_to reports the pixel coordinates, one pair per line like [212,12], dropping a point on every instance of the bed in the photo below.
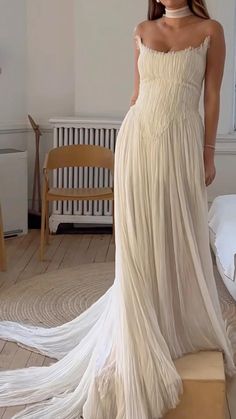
[222,234]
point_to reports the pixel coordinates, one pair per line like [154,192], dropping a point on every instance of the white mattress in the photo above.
[222,234]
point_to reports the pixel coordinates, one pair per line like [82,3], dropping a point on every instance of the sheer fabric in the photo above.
[115,360]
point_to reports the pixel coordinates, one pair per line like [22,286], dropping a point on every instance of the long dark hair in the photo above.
[156,9]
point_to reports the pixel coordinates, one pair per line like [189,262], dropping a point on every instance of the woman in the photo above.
[116,359]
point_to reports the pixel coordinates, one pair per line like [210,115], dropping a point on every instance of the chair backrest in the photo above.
[80,155]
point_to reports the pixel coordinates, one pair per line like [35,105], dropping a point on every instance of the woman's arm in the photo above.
[212,86]
[136,32]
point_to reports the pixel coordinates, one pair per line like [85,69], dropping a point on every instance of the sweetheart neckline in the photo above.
[189,48]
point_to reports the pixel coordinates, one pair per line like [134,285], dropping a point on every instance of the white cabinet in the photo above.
[13,191]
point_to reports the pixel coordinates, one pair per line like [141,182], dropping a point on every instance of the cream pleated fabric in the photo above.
[115,360]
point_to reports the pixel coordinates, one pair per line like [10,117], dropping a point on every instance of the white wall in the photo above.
[50,67]
[104,71]
[75,58]
[225,13]
[37,60]
[38,71]
[104,56]
[13,62]
[71,57]
[225,158]
[51,70]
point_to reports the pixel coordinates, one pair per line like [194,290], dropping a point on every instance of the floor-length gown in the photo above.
[115,360]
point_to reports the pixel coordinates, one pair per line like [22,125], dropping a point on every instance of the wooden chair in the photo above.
[3,259]
[81,155]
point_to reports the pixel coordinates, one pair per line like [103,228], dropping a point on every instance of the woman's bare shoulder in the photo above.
[214,27]
[142,26]
[208,26]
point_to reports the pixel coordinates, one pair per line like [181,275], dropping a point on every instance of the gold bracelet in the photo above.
[209,145]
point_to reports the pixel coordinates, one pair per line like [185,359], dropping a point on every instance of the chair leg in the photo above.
[43,222]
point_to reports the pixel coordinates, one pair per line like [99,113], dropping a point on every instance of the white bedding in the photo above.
[222,227]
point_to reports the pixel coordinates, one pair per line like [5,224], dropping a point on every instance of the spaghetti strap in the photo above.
[207,41]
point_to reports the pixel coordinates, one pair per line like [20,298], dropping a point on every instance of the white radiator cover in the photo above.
[68,131]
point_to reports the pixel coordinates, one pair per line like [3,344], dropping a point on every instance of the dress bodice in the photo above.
[170,84]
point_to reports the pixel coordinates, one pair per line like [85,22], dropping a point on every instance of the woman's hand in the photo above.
[210,170]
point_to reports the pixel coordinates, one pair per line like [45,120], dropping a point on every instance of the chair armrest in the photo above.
[45,170]
[45,164]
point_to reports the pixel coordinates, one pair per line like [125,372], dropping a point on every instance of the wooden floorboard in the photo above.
[23,262]
[63,252]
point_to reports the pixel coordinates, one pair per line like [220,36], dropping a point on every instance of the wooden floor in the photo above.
[64,251]
[23,262]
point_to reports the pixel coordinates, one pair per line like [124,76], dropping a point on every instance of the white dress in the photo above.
[115,360]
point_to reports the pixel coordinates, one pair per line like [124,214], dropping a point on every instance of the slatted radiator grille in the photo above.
[94,133]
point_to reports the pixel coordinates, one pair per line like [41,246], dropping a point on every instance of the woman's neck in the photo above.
[179,12]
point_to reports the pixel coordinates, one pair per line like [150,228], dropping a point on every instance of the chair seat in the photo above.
[76,193]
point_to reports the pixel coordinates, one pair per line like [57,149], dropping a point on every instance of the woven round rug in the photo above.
[53,298]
